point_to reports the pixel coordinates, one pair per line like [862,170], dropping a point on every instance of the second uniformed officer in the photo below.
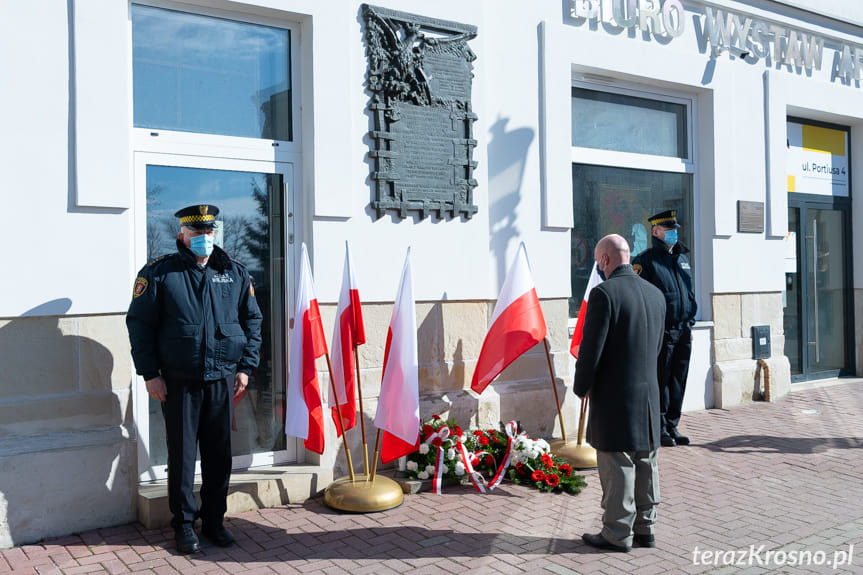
[195,330]
[666,266]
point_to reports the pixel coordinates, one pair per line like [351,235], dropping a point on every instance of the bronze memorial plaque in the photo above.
[750,216]
[419,75]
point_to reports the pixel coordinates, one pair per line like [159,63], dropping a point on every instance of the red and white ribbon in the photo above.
[443,433]
[511,429]
[476,477]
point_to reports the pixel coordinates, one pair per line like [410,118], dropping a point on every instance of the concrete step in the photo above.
[251,489]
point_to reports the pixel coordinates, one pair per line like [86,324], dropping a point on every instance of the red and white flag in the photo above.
[347,333]
[305,414]
[592,282]
[517,324]
[398,414]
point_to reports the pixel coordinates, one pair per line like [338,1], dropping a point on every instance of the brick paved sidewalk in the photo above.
[785,476]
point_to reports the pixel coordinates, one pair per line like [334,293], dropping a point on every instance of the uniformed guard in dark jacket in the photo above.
[666,266]
[195,330]
[617,366]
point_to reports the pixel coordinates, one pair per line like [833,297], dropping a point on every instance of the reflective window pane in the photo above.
[196,73]
[608,121]
[825,286]
[249,228]
[608,200]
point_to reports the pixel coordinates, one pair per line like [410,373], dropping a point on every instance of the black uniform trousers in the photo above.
[198,415]
[673,370]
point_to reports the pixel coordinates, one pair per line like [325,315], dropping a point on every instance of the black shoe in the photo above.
[679,439]
[187,541]
[666,440]
[601,542]
[218,535]
[643,540]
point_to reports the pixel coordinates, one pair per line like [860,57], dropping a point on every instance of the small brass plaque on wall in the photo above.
[750,217]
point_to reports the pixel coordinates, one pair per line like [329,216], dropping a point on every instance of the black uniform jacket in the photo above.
[672,274]
[192,323]
[617,360]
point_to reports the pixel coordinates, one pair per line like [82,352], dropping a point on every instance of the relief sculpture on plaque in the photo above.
[420,72]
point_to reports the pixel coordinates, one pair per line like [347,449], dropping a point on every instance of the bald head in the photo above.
[610,252]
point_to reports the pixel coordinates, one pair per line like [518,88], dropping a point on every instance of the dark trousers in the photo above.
[198,416]
[673,370]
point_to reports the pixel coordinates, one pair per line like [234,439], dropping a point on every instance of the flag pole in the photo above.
[580,454]
[359,390]
[582,419]
[554,387]
[341,422]
[375,458]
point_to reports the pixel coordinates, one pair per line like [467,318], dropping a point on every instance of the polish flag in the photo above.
[517,324]
[398,414]
[347,333]
[305,415]
[592,282]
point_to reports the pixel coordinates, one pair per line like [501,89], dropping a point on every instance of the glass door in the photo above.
[254,199]
[818,338]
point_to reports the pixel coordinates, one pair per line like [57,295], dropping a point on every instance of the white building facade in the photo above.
[590,116]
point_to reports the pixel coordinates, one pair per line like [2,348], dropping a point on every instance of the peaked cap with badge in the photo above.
[198,217]
[666,219]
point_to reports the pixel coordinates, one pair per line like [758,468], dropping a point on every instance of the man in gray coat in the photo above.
[617,366]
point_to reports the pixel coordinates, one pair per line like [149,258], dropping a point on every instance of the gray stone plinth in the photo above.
[249,490]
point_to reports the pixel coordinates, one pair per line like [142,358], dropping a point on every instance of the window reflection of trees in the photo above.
[161,229]
[257,244]
[233,234]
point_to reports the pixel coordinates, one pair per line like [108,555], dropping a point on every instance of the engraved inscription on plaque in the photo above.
[750,217]
[419,76]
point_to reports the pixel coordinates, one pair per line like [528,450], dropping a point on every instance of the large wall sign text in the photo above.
[724,31]
[663,18]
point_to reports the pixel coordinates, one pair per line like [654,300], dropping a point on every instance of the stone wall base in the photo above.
[737,376]
[68,459]
[64,483]
[251,489]
[742,381]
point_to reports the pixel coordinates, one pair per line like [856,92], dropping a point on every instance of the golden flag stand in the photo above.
[580,454]
[368,492]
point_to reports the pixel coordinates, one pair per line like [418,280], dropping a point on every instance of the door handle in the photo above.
[814,239]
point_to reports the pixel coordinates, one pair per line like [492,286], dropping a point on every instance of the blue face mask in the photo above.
[670,238]
[202,246]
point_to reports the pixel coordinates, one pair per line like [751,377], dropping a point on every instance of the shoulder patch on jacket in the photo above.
[140,287]
[637,268]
